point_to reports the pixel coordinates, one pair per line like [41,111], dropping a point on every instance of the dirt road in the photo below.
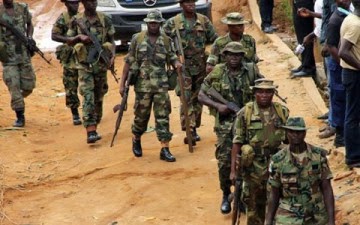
[50,176]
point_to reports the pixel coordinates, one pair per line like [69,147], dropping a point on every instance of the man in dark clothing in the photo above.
[304,26]
[266,13]
[337,90]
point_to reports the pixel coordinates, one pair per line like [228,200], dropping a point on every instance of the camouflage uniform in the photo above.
[234,89]
[247,41]
[193,38]
[151,87]
[70,75]
[92,77]
[18,73]
[262,130]
[301,201]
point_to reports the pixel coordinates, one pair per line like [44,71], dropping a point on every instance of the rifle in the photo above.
[281,98]
[96,51]
[28,42]
[238,204]
[179,47]
[217,96]
[121,108]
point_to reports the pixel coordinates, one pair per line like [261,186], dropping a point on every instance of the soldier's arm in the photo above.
[58,32]
[328,194]
[272,205]
[211,34]
[29,25]
[239,139]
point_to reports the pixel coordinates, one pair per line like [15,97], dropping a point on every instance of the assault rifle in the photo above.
[121,108]
[96,51]
[28,42]
[181,81]
[217,96]
[237,205]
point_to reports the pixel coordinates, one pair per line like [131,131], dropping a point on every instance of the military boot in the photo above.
[76,117]
[20,118]
[136,147]
[92,137]
[225,203]
[195,135]
[166,155]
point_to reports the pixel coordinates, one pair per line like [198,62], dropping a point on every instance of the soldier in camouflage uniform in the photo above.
[195,30]
[232,81]
[235,22]
[257,136]
[150,52]
[64,54]
[92,74]
[18,73]
[301,192]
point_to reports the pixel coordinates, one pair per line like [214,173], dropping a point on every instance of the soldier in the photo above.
[149,53]
[18,73]
[301,192]
[64,54]
[236,25]
[257,136]
[92,70]
[195,30]
[232,80]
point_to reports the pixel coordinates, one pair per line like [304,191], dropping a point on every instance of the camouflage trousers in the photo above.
[161,104]
[93,87]
[192,88]
[254,195]
[71,83]
[285,217]
[20,80]
[223,156]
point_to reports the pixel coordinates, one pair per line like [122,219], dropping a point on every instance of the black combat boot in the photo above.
[136,147]
[339,140]
[20,118]
[195,135]
[225,204]
[92,137]
[76,117]
[166,155]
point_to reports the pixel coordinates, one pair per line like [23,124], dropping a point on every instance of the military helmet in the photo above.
[234,47]
[264,83]
[154,16]
[234,18]
[295,123]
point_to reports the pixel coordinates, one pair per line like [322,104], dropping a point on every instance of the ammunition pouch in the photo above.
[3,53]
[63,53]
[81,52]
[172,79]
[247,155]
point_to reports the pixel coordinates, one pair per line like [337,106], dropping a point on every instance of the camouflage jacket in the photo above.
[102,28]
[233,88]
[219,44]
[299,183]
[16,50]
[193,38]
[61,27]
[151,61]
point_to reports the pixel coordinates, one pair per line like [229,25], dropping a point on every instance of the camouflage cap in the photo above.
[295,123]
[234,18]
[264,83]
[154,16]
[234,47]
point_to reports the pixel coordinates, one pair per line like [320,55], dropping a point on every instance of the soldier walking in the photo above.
[232,80]
[257,136]
[300,180]
[18,73]
[92,70]
[149,53]
[64,53]
[195,30]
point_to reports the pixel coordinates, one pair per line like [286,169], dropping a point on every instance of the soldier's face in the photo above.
[72,7]
[264,97]
[295,137]
[233,59]
[90,5]
[188,6]
[236,29]
[8,2]
[153,27]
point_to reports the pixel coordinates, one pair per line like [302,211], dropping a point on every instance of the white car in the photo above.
[127,15]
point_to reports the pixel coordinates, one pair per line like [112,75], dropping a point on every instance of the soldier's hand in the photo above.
[84,38]
[209,68]
[223,109]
